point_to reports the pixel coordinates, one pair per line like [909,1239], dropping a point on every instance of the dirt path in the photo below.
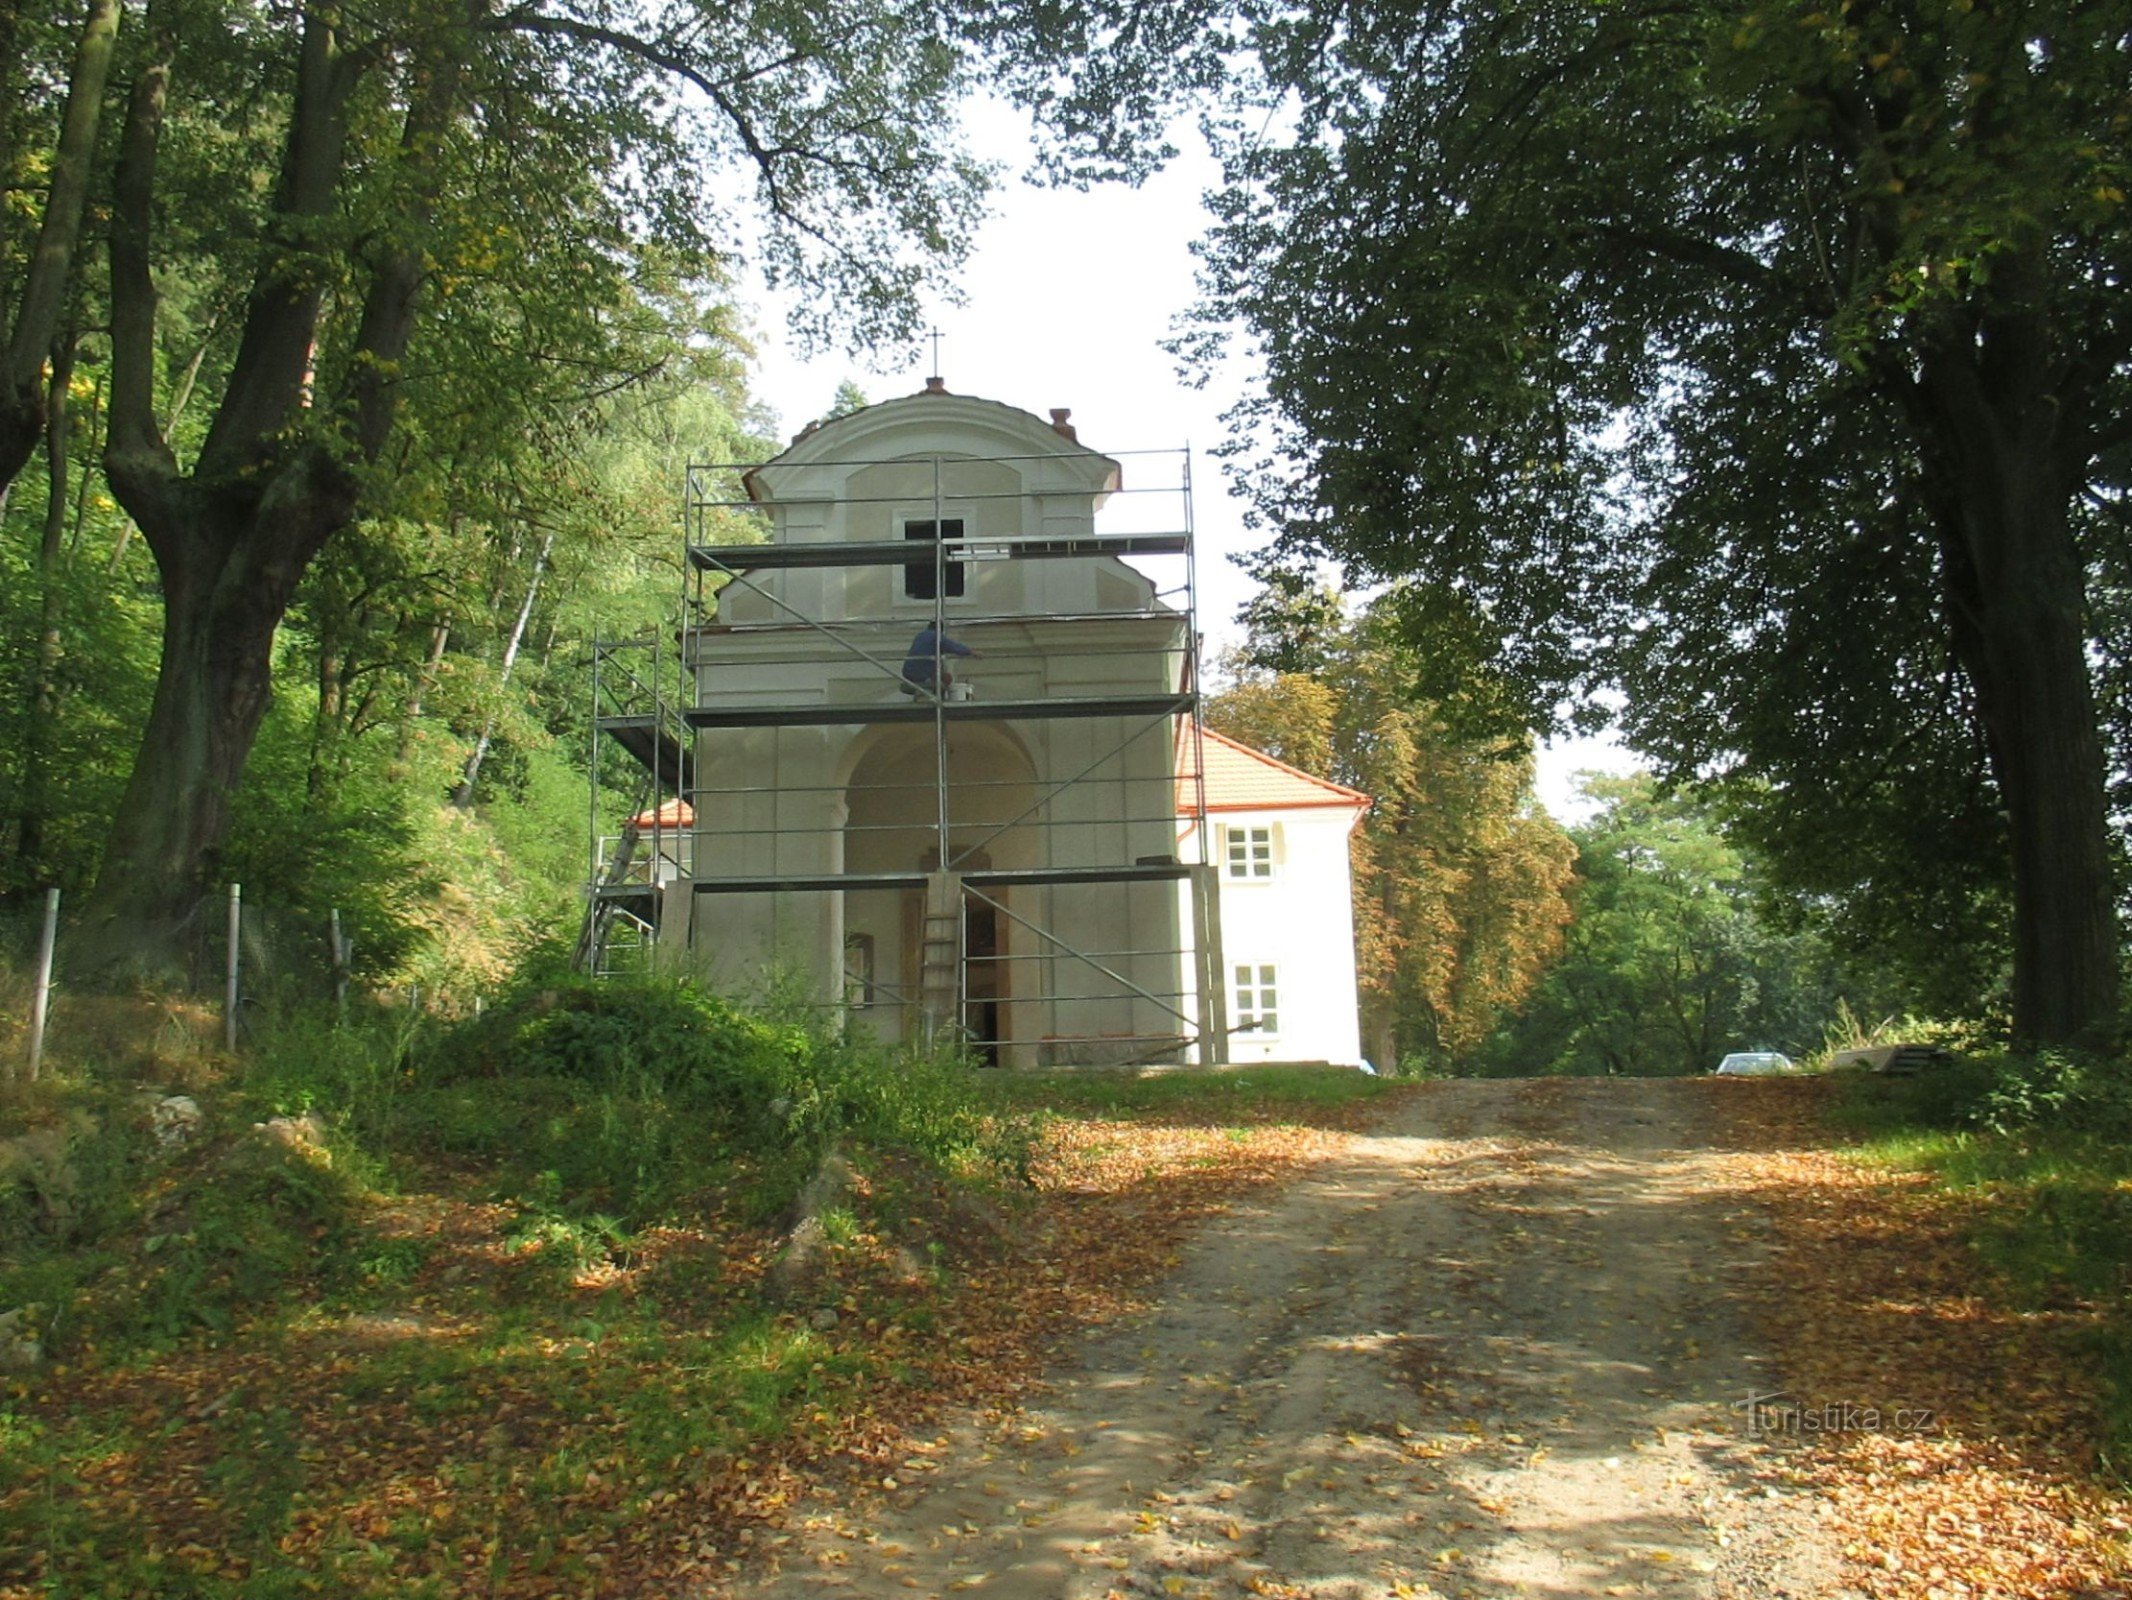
[1491,1351]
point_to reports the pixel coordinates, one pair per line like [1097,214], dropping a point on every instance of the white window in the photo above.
[1251,853]
[1258,1001]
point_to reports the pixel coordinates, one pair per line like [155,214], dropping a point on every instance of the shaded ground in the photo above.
[1496,1349]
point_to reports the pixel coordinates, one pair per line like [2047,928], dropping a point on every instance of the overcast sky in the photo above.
[1068,297]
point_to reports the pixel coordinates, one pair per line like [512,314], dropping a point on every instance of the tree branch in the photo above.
[266,384]
[139,463]
[44,289]
[388,319]
[526,20]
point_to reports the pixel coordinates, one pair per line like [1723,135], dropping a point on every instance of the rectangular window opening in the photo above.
[1258,1005]
[1250,854]
[918,575]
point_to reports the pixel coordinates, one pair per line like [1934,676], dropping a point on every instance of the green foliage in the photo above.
[1671,961]
[147,1247]
[650,1036]
[2052,1089]
[2044,1143]
[629,1101]
[261,1220]
[1673,350]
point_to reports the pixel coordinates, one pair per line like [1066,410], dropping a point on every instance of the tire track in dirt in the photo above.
[1490,1351]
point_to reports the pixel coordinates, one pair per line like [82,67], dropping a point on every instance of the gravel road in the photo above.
[1492,1350]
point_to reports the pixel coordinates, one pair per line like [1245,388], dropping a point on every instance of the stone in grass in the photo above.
[20,1348]
[799,1263]
[40,1164]
[176,1118]
[304,1135]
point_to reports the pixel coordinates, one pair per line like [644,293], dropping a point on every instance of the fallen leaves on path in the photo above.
[1978,1475]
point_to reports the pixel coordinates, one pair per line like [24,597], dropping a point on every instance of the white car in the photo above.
[1754,1064]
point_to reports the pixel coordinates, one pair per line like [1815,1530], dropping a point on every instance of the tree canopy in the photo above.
[376,265]
[1768,364]
[1671,960]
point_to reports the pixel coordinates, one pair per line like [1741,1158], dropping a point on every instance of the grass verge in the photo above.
[494,1320]
[2046,1198]
[1908,1282]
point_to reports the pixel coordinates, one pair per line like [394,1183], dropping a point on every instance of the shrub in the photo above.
[630,1097]
[649,1035]
[2073,1091]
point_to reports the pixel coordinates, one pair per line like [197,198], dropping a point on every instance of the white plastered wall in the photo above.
[1301,922]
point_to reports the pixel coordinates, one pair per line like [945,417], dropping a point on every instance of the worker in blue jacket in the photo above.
[923,669]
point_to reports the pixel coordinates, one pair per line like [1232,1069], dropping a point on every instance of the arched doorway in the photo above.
[893,811]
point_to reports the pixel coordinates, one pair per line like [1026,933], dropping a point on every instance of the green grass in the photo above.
[605,1123]
[2055,1225]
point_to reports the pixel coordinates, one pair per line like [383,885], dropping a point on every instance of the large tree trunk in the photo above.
[2003,477]
[233,537]
[211,694]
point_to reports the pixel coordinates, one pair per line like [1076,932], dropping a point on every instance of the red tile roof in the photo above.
[1240,778]
[674,814]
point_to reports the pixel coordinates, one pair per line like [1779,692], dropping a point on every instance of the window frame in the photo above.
[919,574]
[1252,857]
[860,984]
[1250,983]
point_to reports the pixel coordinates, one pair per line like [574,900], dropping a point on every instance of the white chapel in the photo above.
[943,768]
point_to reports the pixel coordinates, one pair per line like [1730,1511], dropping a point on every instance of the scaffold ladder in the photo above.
[940,954]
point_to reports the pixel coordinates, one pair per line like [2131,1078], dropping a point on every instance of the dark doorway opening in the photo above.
[983,980]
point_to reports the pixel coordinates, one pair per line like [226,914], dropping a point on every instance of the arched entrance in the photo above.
[893,812]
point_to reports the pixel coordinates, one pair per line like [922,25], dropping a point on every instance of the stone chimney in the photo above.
[1060,424]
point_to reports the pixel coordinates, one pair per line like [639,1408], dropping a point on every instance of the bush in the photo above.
[2066,1090]
[643,1036]
[630,1098]
[150,1246]
[256,1218]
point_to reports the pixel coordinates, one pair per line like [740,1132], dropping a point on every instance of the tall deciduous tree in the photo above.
[1460,879]
[1768,362]
[450,153]
[1670,962]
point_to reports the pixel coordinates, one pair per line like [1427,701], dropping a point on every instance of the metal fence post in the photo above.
[41,1000]
[340,963]
[229,989]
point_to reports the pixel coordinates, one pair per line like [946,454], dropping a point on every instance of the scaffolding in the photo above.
[998,837]
[638,692]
